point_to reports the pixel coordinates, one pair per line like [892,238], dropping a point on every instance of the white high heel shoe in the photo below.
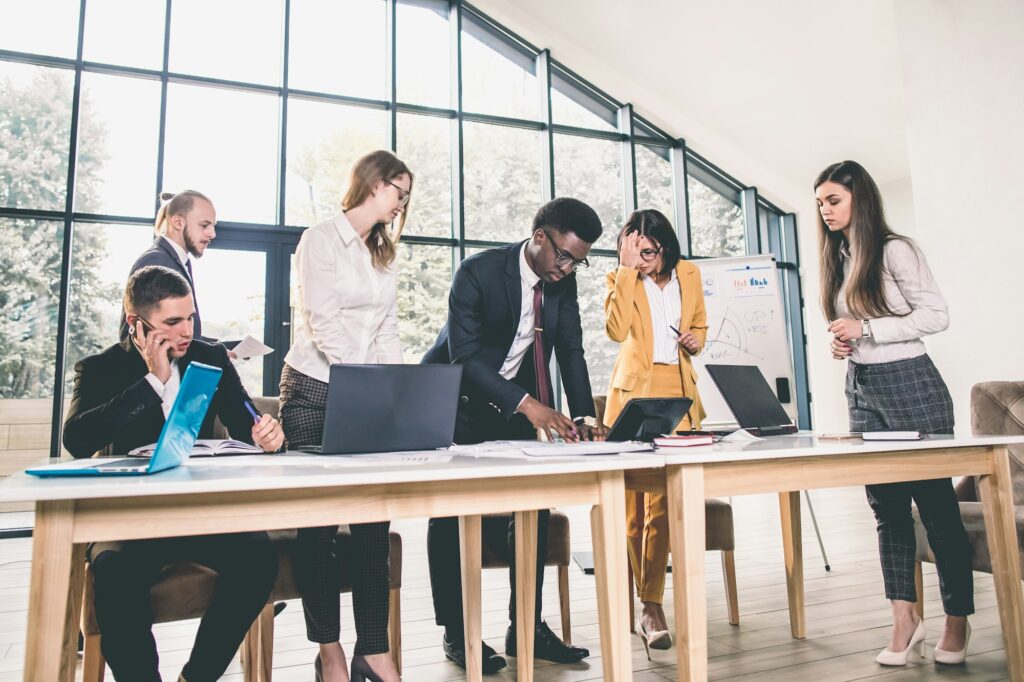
[886,657]
[654,639]
[953,657]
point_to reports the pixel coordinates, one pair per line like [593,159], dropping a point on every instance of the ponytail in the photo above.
[172,204]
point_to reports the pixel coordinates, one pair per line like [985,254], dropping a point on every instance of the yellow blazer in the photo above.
[627,316]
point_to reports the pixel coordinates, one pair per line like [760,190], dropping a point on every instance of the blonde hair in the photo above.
[175,204]
[366,173]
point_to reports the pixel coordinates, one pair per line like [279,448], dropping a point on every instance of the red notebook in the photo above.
[683,441]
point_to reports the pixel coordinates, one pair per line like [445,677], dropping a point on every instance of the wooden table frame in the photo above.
[687,486]
[64,526]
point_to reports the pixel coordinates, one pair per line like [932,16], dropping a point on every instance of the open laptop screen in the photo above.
[749,396]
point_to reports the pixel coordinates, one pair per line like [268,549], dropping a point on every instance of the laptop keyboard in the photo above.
[134,463]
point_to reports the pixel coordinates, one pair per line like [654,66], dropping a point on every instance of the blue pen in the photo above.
[252,411]
[678,333]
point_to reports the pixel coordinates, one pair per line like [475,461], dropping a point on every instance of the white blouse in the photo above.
[912,293]
[666,309]
[347,310]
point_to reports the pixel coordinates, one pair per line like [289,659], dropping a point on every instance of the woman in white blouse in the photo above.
[880,297]
[347,312]
[654,307]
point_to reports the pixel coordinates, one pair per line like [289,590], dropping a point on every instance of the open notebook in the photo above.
[207,447]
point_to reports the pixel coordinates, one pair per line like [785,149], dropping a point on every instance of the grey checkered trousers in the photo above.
[303,404]
[910,395]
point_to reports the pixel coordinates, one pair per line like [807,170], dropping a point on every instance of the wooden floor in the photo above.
[847,615]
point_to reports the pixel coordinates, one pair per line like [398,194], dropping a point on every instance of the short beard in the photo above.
[190,245]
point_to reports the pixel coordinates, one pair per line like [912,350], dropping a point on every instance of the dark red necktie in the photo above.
[539,364]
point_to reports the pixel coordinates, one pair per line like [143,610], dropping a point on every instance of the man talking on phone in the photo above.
[121,398]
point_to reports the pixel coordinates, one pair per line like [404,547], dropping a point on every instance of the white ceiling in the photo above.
[770,91]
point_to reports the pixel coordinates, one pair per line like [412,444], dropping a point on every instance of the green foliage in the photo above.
[35,123]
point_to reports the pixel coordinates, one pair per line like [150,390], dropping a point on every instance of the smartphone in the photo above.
[840,436]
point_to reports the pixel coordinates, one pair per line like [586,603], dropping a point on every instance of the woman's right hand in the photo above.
[841,350]
[629,251]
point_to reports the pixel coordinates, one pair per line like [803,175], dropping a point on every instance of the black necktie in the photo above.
[191,283]
[540,366]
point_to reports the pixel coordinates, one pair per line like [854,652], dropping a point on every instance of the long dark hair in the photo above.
[654,225]
[869,234]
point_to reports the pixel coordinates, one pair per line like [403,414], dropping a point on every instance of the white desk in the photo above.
[789,464]
[197,500]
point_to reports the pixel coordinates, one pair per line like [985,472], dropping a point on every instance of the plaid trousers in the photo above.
[910,395]
[303,405]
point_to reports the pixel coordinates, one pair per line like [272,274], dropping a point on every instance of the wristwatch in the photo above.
[865,326]
[585,421]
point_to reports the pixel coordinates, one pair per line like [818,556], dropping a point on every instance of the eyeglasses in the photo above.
[650,254]
[564,258]
[403,195]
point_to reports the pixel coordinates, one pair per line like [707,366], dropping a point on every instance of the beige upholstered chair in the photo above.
[719,536]
[997,409]
[185,590]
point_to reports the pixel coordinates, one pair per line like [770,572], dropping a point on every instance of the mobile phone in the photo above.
[840,436]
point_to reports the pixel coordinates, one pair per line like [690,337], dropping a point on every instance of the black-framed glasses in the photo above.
[650,254]
[403,195]
[564,258]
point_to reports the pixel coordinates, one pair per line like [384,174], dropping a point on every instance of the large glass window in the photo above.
[117,147]
[338,47]
[235,40]
[424,278]
[424,144]
[654,180]
[423,54]
[324,140]
[591,170]
[716,222]
[497,78]
[35,128]
[502,181]
[107,41]
[601,351]
[223,143]
[48,27]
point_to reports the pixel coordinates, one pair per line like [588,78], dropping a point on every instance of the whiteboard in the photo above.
[746,326]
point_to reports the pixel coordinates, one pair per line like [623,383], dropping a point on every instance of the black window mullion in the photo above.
[282,161]
[162,132]
[67,242]
[795,306]
[458,155]
[391,31]
[748,203]
[681,191]
[629,198]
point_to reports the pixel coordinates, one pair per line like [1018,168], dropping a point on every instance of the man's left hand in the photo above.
[599,432]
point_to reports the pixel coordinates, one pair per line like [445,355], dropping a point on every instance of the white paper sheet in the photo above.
[250,347]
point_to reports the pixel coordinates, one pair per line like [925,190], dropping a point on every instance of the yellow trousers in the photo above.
[647,513]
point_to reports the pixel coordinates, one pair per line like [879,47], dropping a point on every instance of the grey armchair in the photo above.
[997,409]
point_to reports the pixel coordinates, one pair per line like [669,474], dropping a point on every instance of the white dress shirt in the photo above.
[524,332]
[167,392]
[183,255]
[666,309]
[912,293]
[347,310]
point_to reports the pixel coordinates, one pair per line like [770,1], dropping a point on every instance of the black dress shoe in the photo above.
[547,646]
[456,653]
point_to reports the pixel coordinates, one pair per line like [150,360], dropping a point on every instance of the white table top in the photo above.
[806,444]
[206,476]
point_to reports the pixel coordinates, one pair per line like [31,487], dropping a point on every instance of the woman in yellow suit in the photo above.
[652,291]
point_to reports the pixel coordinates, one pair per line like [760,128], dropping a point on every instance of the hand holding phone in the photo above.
[156,350]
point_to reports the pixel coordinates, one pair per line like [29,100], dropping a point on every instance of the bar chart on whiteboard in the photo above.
[746,326]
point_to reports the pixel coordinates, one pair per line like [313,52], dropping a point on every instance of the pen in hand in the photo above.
[252,411]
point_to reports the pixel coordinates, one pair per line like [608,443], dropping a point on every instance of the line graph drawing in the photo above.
[730,340]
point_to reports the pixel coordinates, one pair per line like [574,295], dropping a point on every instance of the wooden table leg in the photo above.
[470,551]
[1000,528]
[52,636]
[793,550]
[608,535]
[684,488]
[526,592]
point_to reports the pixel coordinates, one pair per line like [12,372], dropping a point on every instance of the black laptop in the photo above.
[647,418]
[389,408]
[751,399]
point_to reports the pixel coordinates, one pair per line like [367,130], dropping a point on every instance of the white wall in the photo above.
[963,69]
[898,197]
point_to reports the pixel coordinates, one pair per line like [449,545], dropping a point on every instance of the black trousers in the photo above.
[303,404]
[910,395]
[477,422]
[246,565]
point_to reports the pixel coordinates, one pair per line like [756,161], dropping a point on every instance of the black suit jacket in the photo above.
[114,409]
[162,253]
[483,313]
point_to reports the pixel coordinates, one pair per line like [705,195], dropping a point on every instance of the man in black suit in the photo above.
[121,399]
[185,225]
[509,308]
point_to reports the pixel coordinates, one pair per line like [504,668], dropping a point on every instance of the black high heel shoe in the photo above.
[318,668]
[362,672]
